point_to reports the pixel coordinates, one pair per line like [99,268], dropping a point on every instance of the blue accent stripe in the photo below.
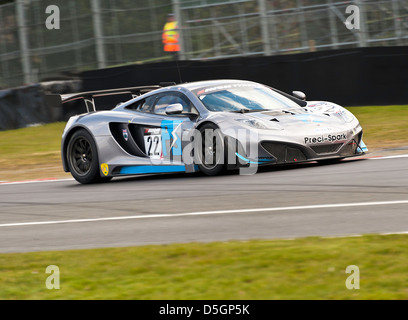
[362,147]
[151,169]
[249,161]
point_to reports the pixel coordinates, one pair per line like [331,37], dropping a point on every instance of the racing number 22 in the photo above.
[153,146]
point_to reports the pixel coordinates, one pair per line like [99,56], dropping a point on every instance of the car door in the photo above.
[165,136]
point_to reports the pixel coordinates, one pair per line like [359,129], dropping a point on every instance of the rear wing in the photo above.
[88,97]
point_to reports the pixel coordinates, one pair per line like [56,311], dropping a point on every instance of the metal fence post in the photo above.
[333,27]
[302,25]
[362,33]
[264,27]
[177,13]
[75,31]
[3,50]
[397,22]
[23,40]
[98,33]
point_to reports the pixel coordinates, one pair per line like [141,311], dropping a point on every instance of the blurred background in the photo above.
[97,34]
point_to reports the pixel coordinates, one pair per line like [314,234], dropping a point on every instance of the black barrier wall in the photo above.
[350,77]
[24,106]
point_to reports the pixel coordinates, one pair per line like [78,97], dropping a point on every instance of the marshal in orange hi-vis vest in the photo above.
[170,37]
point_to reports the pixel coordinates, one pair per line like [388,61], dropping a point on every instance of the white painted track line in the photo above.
[7,183]
[390,157]
[203,213]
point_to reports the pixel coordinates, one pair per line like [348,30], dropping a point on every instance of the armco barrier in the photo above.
[23,106]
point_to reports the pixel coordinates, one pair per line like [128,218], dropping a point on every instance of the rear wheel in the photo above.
[210,150]
[82,158]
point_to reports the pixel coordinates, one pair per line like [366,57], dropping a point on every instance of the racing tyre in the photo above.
[209,150]
[82,158]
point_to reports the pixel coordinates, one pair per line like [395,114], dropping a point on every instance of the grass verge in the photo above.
[309,268]
[31,153]
[384,126]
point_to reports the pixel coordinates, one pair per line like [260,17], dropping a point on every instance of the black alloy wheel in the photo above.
[82,158]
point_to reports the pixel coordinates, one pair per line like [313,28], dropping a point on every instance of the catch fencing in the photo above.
[96,34]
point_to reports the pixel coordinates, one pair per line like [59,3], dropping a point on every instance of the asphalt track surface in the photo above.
[349,198]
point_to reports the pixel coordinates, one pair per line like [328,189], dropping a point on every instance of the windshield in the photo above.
[244,99]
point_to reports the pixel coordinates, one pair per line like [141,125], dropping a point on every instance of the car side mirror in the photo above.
[175,108]
[299,94]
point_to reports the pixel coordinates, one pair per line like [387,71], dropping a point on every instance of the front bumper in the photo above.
[283,152]
[270,152]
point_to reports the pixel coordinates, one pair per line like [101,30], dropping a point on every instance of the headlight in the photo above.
[343,113]
[260,125]
[332,109]
[346,115]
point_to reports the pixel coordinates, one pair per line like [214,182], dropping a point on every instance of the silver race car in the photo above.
[206,126]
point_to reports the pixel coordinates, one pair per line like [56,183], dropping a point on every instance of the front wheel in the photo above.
[209,150]
[82,158]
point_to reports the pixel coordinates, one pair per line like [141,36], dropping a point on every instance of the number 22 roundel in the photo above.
[153,143]
[165,141]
